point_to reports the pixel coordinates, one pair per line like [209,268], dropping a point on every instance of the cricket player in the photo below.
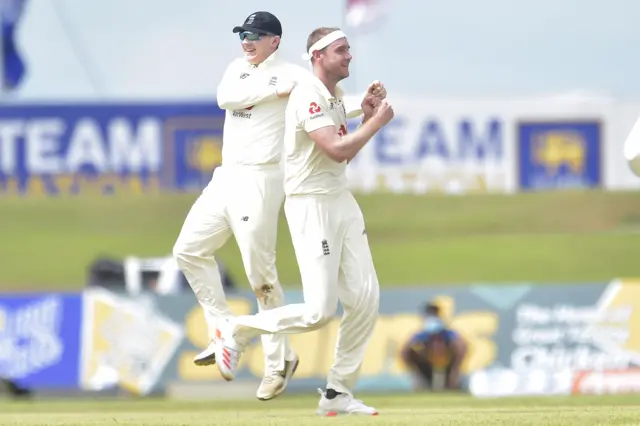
[326,224]
[436,347]
[246,192]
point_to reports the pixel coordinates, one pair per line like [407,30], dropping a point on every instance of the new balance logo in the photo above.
[364,232]
[325,248]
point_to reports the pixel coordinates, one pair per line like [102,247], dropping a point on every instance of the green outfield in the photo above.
[394,410]
[576,236]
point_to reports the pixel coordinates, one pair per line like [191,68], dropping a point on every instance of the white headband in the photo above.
[322,43]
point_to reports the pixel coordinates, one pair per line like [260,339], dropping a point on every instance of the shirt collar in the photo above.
[270,59]
[325,92]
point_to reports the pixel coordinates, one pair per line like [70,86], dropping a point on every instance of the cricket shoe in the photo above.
[207,356]
[275,382]
[342,404]
[228,350]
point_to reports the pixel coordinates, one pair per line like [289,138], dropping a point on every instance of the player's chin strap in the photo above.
[322,43]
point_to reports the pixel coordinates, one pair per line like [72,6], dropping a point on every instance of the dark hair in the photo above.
[317,34]
[432,309]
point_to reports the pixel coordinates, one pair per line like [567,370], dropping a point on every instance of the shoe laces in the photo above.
[271,377]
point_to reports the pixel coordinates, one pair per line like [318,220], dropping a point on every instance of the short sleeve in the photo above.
[419,338]
[452,335]
[312,110]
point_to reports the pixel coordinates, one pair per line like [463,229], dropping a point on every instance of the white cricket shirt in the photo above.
[254,119]
[307,169]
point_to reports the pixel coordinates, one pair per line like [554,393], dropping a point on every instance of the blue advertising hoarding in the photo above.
[106,148]
[40,340]
[559,154]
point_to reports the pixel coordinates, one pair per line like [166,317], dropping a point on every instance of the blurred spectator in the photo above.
[435,349]
[13,389]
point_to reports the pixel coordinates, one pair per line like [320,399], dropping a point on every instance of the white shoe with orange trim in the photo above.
[228,350]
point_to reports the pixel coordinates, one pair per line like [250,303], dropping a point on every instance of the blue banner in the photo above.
[40,340]
[14,67]
[434,146]
[559,154]
[107,148]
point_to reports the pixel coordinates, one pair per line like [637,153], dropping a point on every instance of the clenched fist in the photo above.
[377,89]
[384,112]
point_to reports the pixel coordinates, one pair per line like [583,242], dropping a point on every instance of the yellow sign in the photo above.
[316,349]
[617,328]
[125,342]
[205,154]
[556,148]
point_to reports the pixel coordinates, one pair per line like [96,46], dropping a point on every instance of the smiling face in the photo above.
[258,47]
[335,59]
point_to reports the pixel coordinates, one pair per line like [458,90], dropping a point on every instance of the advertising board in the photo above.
[71,149]
[40,340]
[522,339]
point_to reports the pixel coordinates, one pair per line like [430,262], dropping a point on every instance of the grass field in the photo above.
[547,237]
[394,410]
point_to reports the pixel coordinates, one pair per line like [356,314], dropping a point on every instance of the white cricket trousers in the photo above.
[244,201]
[332,249]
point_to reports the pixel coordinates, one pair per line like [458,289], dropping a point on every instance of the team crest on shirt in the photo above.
[338,102]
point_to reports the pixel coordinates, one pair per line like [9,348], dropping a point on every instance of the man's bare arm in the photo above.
[405,353]
[459,352]
[347,147]
[344,148]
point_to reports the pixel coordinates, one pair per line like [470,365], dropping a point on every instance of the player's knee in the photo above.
[319,317]
[370,305]
[411,357]
[373,307]
[317,320]
[184,253]
[179,252]
[372,315]
[269,295]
